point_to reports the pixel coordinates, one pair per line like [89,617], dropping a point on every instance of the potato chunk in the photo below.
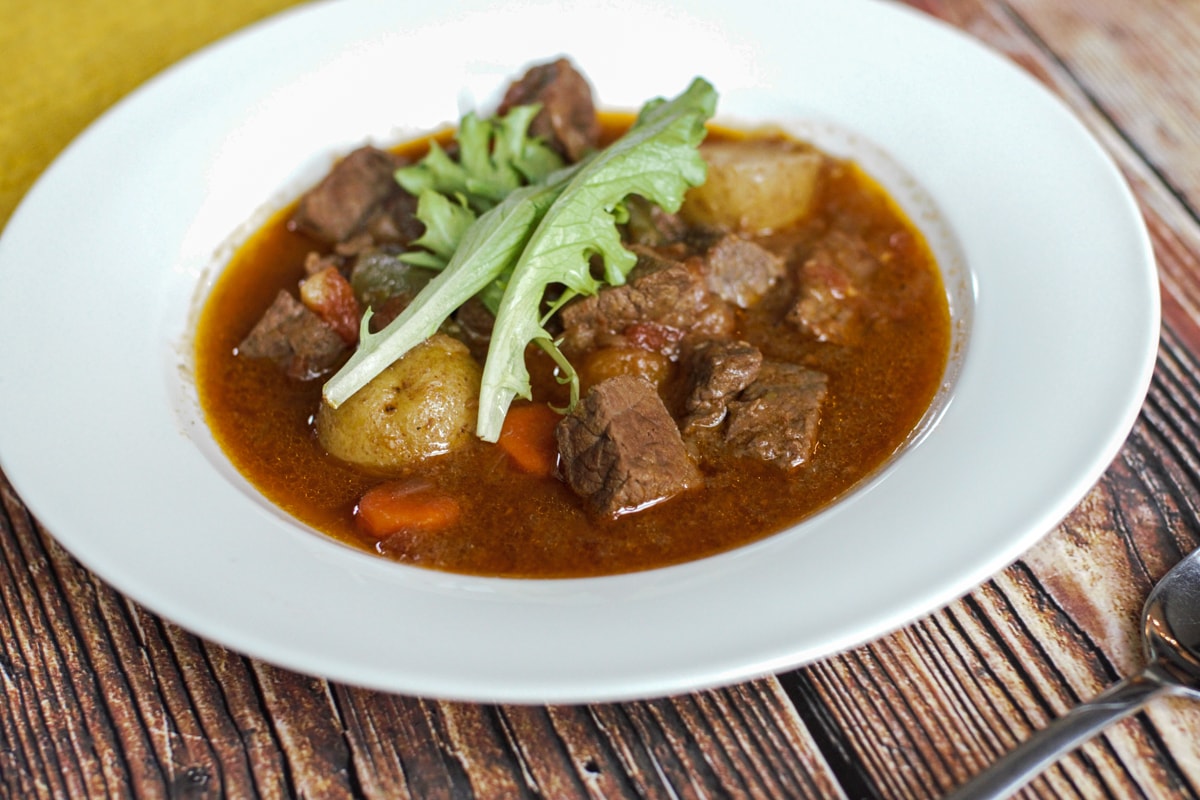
[423,405]
[754,185]
[608,362]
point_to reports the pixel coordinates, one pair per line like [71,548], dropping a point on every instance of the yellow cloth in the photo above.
[66,61]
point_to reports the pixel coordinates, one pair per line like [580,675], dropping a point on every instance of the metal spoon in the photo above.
[1171,634]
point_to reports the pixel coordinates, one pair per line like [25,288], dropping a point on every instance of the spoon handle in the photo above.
[1046,746]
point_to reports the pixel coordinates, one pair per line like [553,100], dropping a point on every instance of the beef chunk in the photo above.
[395,220]
[294,338]
[358,189]
[741,271]
[567,120]
[776,417]
[474,327]
[829,285]
[620,449]
[716,371]
[662,292]
[650,225]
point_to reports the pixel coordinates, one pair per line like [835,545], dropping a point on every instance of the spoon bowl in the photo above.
[1171,622]
[1171,636]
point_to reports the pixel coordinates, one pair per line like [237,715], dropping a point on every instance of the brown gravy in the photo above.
[517,525]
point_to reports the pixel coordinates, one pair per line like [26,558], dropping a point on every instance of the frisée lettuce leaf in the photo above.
[540,235]
[495,156]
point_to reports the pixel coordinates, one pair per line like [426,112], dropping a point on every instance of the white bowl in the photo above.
[1049,272]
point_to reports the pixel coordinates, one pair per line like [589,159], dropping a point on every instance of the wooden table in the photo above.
[99,697]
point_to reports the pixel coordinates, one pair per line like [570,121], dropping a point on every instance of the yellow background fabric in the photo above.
[66,61]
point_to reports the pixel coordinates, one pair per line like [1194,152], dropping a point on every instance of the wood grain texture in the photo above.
[104,699]
[1062,624]
[99,698]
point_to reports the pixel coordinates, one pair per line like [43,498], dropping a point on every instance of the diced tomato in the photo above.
[652,336]
[330,296]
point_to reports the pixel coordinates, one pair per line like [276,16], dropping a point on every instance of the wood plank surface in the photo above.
[99,698]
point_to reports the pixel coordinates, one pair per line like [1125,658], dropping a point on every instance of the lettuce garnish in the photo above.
[495,156]
[533,237]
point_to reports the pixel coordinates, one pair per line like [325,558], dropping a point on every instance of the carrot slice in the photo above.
[528,438]
[405,506]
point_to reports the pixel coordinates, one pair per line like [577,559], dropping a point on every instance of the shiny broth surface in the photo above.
[518,525]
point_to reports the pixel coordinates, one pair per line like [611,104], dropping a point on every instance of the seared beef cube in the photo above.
[620,449]
[741,271]
[296,339]
[567,121]
[716,371]
[824,306]
[343,202]
[474,326]
[655,259]
[395,220]
[829,284]
[664,292]
[776,417]
[650,225]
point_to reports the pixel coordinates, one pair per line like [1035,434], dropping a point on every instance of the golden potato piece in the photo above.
[423,405]
[754,185]
[608,362]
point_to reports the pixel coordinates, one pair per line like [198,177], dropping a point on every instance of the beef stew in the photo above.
[760,361]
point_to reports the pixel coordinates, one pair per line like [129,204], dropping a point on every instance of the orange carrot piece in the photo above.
[528,438]
[405,506]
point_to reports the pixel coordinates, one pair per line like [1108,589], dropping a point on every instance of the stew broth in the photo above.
[517,525]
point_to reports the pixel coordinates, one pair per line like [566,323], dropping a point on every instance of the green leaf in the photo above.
[494,157]
[656,159]
[540,235]
[489,247]
[446,221]
[528,155]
